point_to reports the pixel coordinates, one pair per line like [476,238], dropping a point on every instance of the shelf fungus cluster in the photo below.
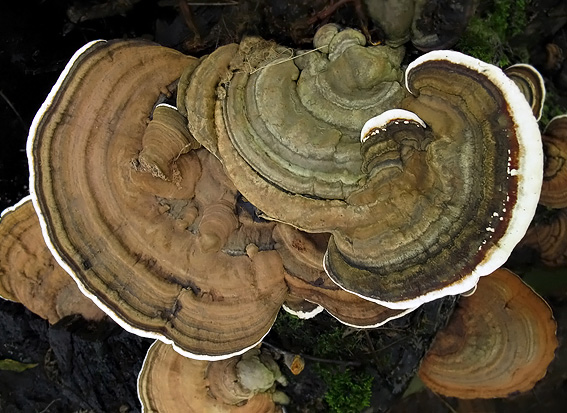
[433,195]
[146,221]
[142,225]
[499,341]
[329,177]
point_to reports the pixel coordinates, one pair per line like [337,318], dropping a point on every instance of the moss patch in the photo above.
[348,391]
[488,33]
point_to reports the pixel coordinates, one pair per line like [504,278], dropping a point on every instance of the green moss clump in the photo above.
[487,35]
[348,391]
[289,323]
[336,344]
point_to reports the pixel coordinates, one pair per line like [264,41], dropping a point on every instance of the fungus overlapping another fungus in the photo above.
[467,119]
[169,382]
[297,121]
[499,341]
[554,187]
[198,92]
[302,256]
[30,275]
[427,203]
[142,226]
[530,83]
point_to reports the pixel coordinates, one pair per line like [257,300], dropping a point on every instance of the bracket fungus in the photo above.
[530,83]
[302,255]
[30,275]
[415,213]
[548,238]
[554,187]
[315,151]
[141,227]
[466,118]
[169,382]
[499,341]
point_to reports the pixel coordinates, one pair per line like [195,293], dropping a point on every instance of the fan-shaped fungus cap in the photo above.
[499,341]
[169,382]
[441,205]
[446,225]
[554,187]
[165,139]
[147,248]
[530,83]
[197,99]
[297,121]
[30,275]
[302,255]
[548,237]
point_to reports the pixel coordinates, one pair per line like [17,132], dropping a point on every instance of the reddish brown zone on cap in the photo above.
[511,159]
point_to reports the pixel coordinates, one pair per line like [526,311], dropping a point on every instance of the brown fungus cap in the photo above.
[499,341]
[165,139]
[29,273]
[302,254]
[548,237]
[147,248]
[530,83]
[466,119]
[196,99]
[450,187]
[169,382]
[554,187]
